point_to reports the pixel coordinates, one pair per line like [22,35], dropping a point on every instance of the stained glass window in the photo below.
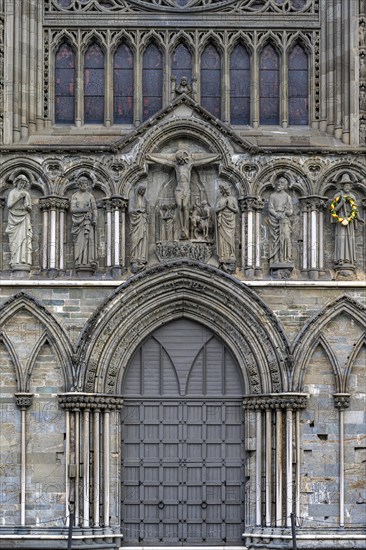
[123,85]
[211,80]
[65,85]
[94,85]
[239,86]
[182,63]
[269,89]
[152,81]
[298,94]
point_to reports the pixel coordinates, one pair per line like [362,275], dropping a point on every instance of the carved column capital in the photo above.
[342,401]
[313,202]
[23,400]
[250,203]
[119,203]
[87,401]
[53,203]
[281,401]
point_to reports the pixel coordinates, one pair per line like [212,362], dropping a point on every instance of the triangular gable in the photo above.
[185,107]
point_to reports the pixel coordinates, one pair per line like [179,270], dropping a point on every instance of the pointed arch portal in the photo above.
[182,440]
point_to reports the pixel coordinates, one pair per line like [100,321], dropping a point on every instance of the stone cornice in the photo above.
[89,401]
[281,401]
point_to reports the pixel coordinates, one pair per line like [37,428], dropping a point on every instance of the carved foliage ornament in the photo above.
[244,6]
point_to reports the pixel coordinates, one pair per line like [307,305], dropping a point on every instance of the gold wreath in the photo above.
[340,219]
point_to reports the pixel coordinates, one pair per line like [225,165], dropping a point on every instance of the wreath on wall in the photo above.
[341,219]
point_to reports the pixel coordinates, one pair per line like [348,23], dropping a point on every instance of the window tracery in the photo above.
[123,85]
[65,85]
[94,85]
[152,81]
[211,80]
[269,86]
[239,86]
[276,7]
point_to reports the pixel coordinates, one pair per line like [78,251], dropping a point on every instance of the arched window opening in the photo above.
[94,85]
[239,86]
[152,81]
[298,86]
[182,63]
[123,85]
[269,86]
[211,80]
[65,85]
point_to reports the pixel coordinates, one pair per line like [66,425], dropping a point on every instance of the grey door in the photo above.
[182,441]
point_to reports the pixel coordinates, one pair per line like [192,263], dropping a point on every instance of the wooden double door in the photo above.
[182,441]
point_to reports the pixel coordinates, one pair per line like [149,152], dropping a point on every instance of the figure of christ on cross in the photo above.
[183,161]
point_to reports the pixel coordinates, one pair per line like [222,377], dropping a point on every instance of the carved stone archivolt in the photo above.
[183,289]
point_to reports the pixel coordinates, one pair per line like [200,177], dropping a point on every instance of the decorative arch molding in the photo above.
[13,356]
[27,166]
[101,178]
[306,342]
[334,172]
[269,173]
[184,289]
[356,350]
[53,332]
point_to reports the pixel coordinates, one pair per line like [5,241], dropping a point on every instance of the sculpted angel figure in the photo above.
[183,161]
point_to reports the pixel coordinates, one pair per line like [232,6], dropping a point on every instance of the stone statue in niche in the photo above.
[280,210]
[344,213]
[183,161]
[84,219]
[139,230]
[19,228]
[167,222]
[226,211]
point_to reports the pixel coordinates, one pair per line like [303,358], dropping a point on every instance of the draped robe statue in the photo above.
[139,230]
[226,211]
[19,227]
[280,210]
[84,218]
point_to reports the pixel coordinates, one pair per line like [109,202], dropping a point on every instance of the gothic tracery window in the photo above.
[182,63]
[298,95]
[65,85]
[152,81]
[211,80]
[123,85]
[269,86]
[94,85]
[239,86]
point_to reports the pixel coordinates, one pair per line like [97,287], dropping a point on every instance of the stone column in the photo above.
[313,234]
[115,208]
[362,72]
[23,401]
[2,204]
[275,414]
[341,402]
[53,209]
[89,431]
[251,208]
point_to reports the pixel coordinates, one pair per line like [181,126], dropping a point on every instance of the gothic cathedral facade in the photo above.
[182,274]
